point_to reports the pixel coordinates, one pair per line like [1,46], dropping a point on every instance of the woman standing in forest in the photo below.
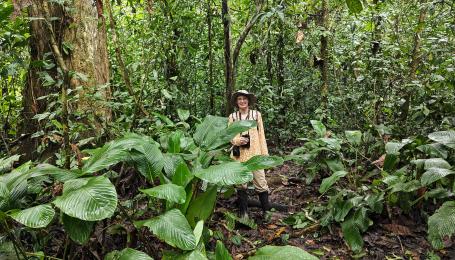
[247,145]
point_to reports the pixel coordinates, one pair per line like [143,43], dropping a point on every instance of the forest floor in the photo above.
[404,238]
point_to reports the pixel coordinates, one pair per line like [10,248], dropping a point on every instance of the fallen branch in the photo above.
[309,229]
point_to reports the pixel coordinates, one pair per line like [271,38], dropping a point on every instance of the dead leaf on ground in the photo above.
[277,233]
[380,162]
[398,229]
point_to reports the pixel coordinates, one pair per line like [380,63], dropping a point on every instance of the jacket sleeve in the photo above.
[262,141]
[236,140]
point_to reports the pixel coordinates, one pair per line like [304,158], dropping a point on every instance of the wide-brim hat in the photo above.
[251,97]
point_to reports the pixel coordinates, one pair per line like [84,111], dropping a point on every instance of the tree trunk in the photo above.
[85,53]
[231,61]
[228,74]
[210,58]
[415,60]
[324,57]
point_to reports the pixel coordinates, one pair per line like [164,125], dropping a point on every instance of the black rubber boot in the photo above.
[242,203]
[264,199]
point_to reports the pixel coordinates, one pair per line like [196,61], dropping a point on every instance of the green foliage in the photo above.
[329,181]
[355,6]
[170,192]
[126,254]
[282,252]
[260,162]
[441,224]
[221,253]
[226,174]
[90,199]
[78,230]
[35,217]
[173,228]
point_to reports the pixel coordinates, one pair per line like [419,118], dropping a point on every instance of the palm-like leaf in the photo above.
[441,224]
[282,252]
[208,129]
[7,163]
[169,192]
[182,175]
[78,230]
[227,134]
[202,206]
[432,163]
[173,228]
[127,254]
[35,217]
[58,174]
[221,253]
[88,199]
[332,179]
[260,162]
[446,138]
[435,174]
[226,174]
[110,154]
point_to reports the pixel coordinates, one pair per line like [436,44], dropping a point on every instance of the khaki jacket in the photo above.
[258,144]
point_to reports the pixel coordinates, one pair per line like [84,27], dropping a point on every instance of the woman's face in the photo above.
[242,102]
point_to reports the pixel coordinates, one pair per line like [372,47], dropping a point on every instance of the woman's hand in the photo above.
[244,140]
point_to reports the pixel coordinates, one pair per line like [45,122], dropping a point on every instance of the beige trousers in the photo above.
[259,182]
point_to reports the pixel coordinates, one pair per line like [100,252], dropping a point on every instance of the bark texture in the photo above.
[82,30]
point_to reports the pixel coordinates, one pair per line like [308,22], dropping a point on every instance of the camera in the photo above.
[236,149]
[247,145]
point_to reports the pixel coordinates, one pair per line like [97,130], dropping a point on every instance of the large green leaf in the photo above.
[226,174]
[393,147]
[329,181]
[282,252]
[169,192]
[434,174]
[183,114]
[202,206]
[107,155]
[127,254]
[35,217]
[193,255]
[7,163]
[171,162]
[260,162]
[446,138]
[352,235]
[209,129]
[16,183]
[182,175]
[432,163]
[355,6]
[227,134]
[173,228]
[354,224]
[354,137]
[221,253]
[434,150]
[405,186]
[78,230]
[173,144]
[88,199]
[318,127]
[152,154]
[4,196]
[58,174]
[335,165]
[441,224]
